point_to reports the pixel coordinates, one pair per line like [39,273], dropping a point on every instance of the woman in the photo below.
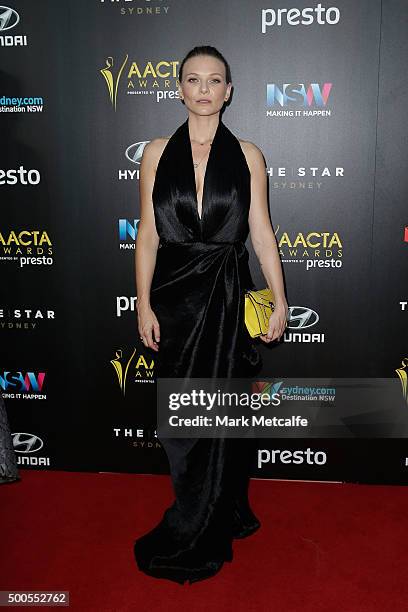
[201,191]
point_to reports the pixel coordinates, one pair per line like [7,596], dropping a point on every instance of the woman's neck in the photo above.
[202,129]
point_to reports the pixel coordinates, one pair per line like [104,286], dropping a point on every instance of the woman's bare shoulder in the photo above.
[252,152]
[153,150]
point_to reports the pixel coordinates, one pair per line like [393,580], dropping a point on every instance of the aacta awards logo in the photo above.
[27,247]
[314,249]
[152,78]
[135,365]
[112,80]
[403,376]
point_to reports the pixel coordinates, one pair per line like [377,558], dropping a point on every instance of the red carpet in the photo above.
[322,546]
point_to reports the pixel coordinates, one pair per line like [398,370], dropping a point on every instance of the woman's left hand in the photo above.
[277,324]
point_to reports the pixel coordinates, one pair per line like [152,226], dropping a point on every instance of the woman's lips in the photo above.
[204,101]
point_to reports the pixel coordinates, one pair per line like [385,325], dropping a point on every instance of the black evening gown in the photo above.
[197,294]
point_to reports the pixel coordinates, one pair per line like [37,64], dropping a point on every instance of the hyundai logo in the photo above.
[301,317]
[26,443]
[135,151]
[8,18]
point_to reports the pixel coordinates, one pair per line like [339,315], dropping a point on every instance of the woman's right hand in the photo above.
[148,325]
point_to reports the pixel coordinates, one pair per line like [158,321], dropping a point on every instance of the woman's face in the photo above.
[203,86]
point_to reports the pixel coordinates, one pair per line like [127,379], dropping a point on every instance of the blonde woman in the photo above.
[201,191]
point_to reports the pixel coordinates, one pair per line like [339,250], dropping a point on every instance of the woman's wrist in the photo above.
[142,303]
[281,305]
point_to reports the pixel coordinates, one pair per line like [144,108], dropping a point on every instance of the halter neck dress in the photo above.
[197,293]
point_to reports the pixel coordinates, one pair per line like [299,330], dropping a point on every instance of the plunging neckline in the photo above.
[200,219]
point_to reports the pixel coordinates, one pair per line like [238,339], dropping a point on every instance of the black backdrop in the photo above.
[84,85]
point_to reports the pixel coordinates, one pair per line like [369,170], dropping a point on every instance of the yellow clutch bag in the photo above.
[259,306]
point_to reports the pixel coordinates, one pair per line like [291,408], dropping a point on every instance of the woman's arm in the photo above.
[147,244]
[264,241]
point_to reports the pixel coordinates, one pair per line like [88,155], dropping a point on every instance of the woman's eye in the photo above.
[194,79]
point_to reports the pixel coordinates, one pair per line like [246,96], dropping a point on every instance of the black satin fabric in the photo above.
[197,294]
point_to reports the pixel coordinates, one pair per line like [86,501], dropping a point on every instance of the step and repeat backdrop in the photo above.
[84,85]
